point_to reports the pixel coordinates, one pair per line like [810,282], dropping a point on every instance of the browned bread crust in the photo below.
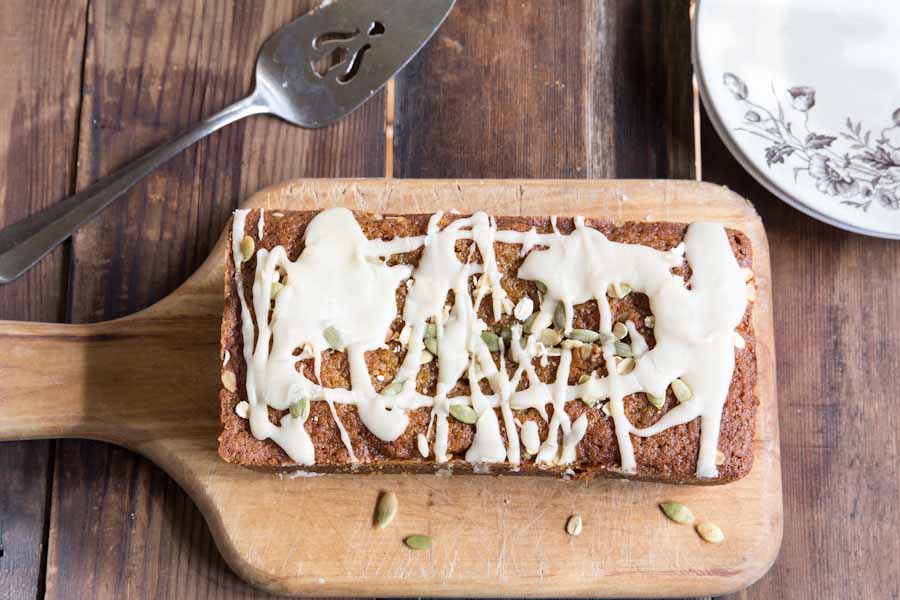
[669,456]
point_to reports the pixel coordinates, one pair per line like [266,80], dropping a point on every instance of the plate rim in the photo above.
[734,147]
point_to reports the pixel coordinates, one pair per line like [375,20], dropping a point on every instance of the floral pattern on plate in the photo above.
[850,166]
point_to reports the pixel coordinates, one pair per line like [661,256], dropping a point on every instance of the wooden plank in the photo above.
[40,87]
[598,88]
[120,526]
[313,535]
[837,317]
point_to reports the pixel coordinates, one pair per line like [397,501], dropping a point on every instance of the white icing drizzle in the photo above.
[261,224]
[531,437]
[341,281]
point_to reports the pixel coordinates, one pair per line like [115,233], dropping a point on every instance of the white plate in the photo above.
[806,95]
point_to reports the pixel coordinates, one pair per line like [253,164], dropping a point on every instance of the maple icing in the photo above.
[342,284]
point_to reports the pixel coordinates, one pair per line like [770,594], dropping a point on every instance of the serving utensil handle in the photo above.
[24,243]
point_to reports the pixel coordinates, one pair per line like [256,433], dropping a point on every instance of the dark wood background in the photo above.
[523,88]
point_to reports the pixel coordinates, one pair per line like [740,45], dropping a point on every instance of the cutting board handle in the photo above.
[133,381]
[44,389]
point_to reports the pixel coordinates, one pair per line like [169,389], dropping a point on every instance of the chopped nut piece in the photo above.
[681,390]
[656,401]
[625,366]
[574,525]
[524,308]
[229,380]
[247,247]
[720,458]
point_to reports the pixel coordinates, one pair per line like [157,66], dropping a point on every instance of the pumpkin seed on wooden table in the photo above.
[385,509]
[677,512]
[710,532]
[417,541]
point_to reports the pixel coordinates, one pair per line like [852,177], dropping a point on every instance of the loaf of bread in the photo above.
[466,343]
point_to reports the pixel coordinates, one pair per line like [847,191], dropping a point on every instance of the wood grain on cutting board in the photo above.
[145,382]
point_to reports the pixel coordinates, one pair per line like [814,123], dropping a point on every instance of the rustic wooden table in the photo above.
[566,89]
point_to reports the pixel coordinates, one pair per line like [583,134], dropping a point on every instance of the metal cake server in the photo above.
[311,72]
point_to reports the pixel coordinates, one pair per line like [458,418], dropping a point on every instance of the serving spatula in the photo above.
[311,72]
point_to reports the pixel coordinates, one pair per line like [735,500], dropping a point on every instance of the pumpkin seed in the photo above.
[574,525]
[571,344]
[720,458]
[417,542]
[506,335]
[650,321]
[524,308]
[430,330]
[678,512]
[656,401]
[464,413]
[529,322]
[385,509]
[541,286]
[247,247]
[623,349]
[392,389]
[276,288]
[681,390]
[431,345]
[333,338]
[583,335]
[710,532]
[426,357]
[625,366]
[300,409]
[620,331]
[523,341]
[586,351]
[491,340]
[584,379]
[623,290]
[559,316]
[229,380]
[549,338]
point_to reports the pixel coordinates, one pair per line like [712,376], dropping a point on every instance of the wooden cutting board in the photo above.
[149,382]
